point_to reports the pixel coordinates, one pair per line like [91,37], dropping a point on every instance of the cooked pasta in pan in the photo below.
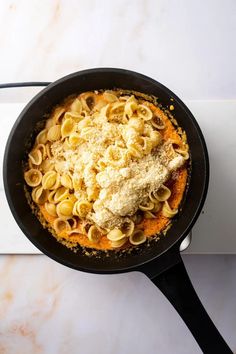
[108,170]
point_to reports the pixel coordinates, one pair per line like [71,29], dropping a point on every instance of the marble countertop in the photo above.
[48,308]
[190,47]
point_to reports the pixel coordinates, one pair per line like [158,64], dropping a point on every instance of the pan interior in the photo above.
[16,152]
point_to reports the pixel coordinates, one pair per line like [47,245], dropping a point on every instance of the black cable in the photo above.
[24,84]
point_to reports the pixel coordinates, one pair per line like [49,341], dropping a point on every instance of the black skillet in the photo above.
[161,262]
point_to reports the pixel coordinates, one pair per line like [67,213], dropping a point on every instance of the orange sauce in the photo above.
[150,226]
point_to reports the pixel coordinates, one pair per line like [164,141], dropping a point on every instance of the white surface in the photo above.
[58,310]
[214,231]
[187,45]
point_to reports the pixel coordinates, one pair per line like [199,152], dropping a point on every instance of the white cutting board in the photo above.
[214,232]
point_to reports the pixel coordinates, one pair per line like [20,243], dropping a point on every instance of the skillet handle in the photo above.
[175,284]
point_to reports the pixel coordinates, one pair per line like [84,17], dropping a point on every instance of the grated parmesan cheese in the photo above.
[120,189]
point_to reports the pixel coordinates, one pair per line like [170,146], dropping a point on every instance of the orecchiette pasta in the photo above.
[184,153]
[82,208]
[157,122]
[167,211]
[33,177]
[42,137]
[162,194]
[93,234]
[137,238]
[36,157]
[119,243]
[116,113]
[115,235]
[54,133]
[76,106]
[147,206]
[58,115]
[50,208]
[144,112]
[128,227]
[67,127]
[98,169]
[61,194]
[39,195]
[49,180]
[64,209]
[66,181]
[131,106]
[61,225]
[110,97]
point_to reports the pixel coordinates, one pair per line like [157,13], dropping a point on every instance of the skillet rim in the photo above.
[195,215]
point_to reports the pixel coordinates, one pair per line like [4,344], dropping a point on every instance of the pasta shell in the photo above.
[39,195]
[64,209]
[51,196]
[74,232]
[42,148]
[162,194]
[49,123]
[119,243]
[72,198]
[33,177]
[58,115]
[54,133]
[167,211]
[88,100]
[117,112]
[42,137]
[147,206]
[47,165]
[184,153]
[137,237]
[67,127]
[82,208]
[131,106]
[128,227]
[85,227]
[36,157]
[51,209]
[110,97]
[94,234]
[49,179]
[57,183]
[73,222]
[76,106]
[66,181]
[48,150]
[157,122]
[61,225]
[77,117]
[105,111]
[146,145]
[115,235]
[61,194]
[144,112]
